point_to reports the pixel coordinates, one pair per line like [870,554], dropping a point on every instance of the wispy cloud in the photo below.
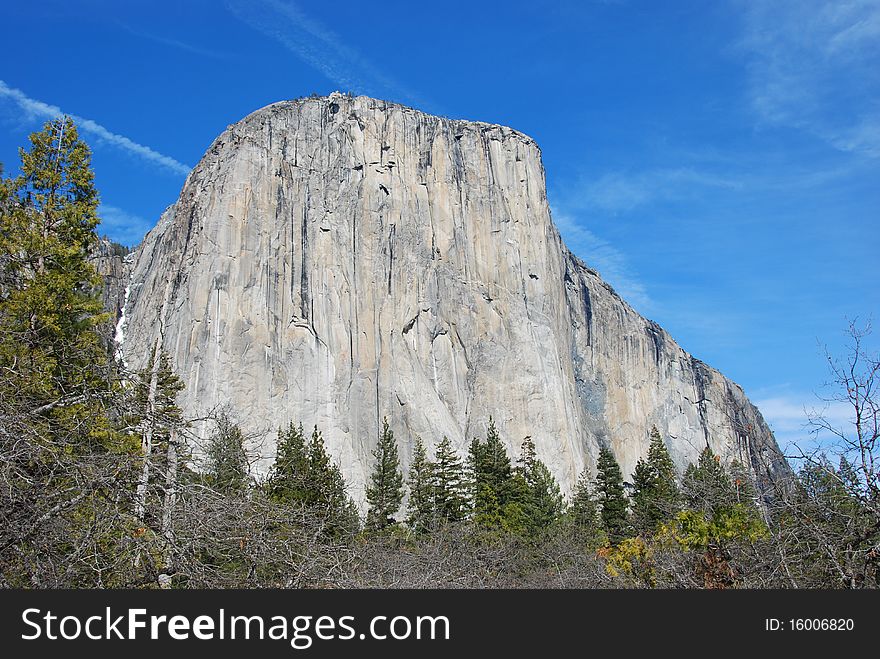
[319,47]
[175,43]
[35,109]
[126,228]
[789,414]
[814,66]
[616,192]
[601,255]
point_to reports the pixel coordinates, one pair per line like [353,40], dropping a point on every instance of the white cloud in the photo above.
[35,109]
[788,416]
[126,228]
[601,255]
[813,65]
[623,192]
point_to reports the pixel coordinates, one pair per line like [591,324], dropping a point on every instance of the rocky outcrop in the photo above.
[338,260]
[110,260]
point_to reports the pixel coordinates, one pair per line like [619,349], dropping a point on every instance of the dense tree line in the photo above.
[103,483]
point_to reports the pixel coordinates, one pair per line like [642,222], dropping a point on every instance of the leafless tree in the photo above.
[827,527]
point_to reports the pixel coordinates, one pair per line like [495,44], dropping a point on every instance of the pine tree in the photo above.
[584,509]
[152,411]
[227,468]
[825,517]
[420,481]
[449,484]
[491,474]
[655,491]
[706,485]
[715,518]
[385,492]
[303,476]
[50,350]
[541,501]
[612,496]
[326,490]
[288,476]
[60,452]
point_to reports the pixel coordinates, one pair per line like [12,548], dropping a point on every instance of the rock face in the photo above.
[110,260]
[338,260]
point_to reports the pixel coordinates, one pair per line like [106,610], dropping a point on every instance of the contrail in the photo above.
[40,109]
[319,47]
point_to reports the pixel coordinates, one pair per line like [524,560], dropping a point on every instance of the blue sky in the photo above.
[718,163]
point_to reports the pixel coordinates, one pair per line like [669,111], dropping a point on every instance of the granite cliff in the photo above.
[338,260]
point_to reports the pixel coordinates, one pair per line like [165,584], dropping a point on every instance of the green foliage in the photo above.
[539,495]
[656,497]
[420,481]
[612,497]
[327,489]
[50,349]
[631,558]
[584,509]
[226,465]
[63,460]
[449,484]
[694,530]
[825,515]
[493,490]
[490,465]
[288,476]
[831,488]
[385,491]
[707,484]
[160,411]
[49,310]
[304,476]
[718,516]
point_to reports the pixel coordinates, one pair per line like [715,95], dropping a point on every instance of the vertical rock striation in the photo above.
[336,260]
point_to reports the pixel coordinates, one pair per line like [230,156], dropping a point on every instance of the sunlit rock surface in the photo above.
[338,260]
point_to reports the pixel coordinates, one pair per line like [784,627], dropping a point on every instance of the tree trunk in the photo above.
[147,439]
[168,512]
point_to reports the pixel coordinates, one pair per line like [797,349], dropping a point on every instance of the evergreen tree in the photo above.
[449,484]
[644,480]
[584,509]
[541,500]
[824,517]
[420,481]
[304,476]
[226,465]
[655,491]
[60,453]
[385,492]
[326,491]
[288,476]
[715,519]
[491,474]
[612,496]
[707,485]
[164,413]
[50,308]
[151,410]
[52,362]
[742,484]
